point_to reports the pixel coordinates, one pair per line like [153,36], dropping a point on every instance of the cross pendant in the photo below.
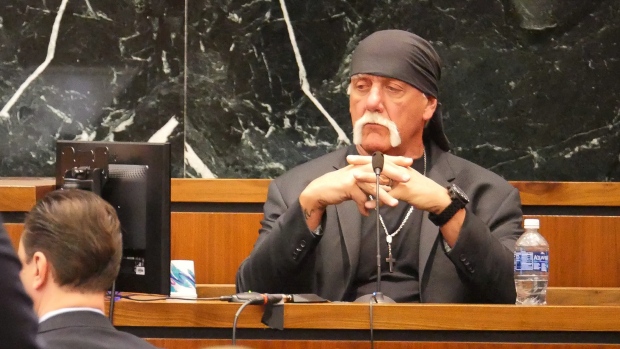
[389,259]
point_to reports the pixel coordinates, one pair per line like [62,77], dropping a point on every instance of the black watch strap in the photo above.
[449,212]
[459,200]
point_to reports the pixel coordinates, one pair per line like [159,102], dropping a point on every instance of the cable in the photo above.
[112,301]
[234,329]
[247,298]
[132,297]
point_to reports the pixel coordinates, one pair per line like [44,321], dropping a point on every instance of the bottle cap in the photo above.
[531,223]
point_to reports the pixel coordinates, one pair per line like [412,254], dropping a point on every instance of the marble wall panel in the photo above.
[116,75]
[248,89]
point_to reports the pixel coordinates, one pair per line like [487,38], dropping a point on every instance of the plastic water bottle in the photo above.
[531,265]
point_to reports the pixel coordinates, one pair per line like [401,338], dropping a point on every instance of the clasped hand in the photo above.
[398,182]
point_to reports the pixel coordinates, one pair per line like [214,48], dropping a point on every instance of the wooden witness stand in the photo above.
[215,223]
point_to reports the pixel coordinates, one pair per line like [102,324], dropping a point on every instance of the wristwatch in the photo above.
[318,231]
[459,200]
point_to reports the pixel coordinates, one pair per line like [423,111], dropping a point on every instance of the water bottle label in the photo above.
[532,261]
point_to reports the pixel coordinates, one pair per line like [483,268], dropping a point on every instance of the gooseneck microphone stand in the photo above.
[377,296]
[377,165]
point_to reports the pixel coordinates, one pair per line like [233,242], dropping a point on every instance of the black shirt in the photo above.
[402,285]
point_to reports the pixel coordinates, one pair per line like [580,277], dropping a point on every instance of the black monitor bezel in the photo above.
[157,157]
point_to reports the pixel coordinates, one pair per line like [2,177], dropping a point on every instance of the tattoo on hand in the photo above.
[308,214]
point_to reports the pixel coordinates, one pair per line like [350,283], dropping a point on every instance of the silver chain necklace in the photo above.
[388,236]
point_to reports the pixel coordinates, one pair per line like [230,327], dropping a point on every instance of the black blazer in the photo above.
[479,269]
[19,322]
[86,330]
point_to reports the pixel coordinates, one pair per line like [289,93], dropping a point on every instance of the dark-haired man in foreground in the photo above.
[448,226]
[19,323]
[71,251]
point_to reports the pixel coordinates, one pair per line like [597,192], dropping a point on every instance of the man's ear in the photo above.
[431,106]
[42,270]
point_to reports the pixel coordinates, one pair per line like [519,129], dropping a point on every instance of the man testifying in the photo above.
[71,250]
[448,226]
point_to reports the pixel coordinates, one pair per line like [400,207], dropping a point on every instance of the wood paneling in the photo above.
[294,344]
[583,251]
[15,232]
[555,295]
[581,296]
[569,193]
[219,190]
[216,242]
[532,193]
[20,194]
[355,316]
[214,290]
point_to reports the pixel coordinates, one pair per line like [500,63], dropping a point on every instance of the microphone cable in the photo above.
[247,298]
[112,301]
[234,329]
[253,298]
[151,298]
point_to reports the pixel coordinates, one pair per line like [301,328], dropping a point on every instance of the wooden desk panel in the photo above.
[20,194]
[14,231]
[597,296]
[216,242]
[255,191]
[584,251]
[171,324]
[568,296]
[219,190]
[569,193]
[355,316]
[532,193]
[406,326]
[292,344]
[472,345]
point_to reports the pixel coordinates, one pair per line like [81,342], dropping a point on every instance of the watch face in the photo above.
[458,193]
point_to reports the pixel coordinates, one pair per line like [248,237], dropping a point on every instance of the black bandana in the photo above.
[407,57]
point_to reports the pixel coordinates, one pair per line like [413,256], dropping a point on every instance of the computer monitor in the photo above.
[135,179]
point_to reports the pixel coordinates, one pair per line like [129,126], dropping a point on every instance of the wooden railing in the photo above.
[410,326]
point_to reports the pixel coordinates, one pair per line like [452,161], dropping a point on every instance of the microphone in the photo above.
[377,162]
[259,298]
